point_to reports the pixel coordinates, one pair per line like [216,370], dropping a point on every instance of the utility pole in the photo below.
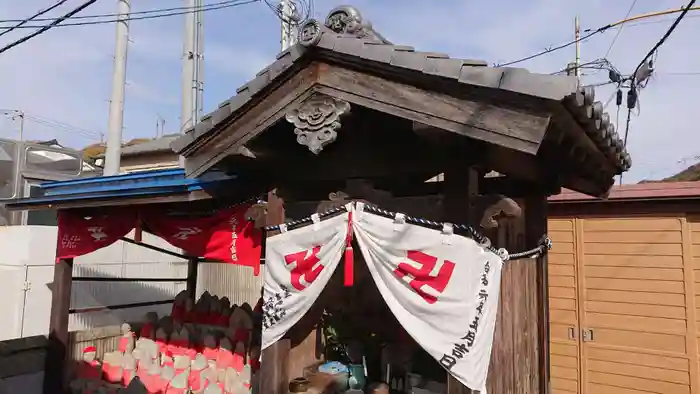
[289,19]
[577,38]
[116,104]
[188,69]
[199,63]
[188,65]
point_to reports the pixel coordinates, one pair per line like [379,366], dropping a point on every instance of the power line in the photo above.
[114,15]
[644,60]
[62,125]
[663,20]
[159,14]
[612,44]
[303,10]
[680,74]
[48,27]
[56,128]
[22,22]
[591,33]
[554,49]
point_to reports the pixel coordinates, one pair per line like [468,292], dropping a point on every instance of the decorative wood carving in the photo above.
[356,190]
[257,213]
[503,206]
[335,200]
[317,120]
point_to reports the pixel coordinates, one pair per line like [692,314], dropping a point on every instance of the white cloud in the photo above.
[65,74]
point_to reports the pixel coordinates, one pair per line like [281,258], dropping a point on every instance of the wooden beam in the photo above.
[274,367]
[502,185]
[461,187]
[192,270]
[57,352]
[495,123]
[517,165]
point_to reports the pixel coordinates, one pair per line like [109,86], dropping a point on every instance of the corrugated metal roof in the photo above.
[141,184]
[640,191]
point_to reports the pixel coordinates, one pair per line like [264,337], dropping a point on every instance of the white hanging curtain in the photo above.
[298,265]
[443,289]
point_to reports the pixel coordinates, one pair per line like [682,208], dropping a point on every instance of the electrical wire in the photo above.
[55,128]
[649,54]
[301,9]
[591,32]
[23,22]
[554,49]
[680,74]
[654,22]
[550,50]
[612,44]
[56,124]
[114,15]
[187,10]
[47,27]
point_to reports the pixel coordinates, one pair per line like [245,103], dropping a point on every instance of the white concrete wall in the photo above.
[27,265]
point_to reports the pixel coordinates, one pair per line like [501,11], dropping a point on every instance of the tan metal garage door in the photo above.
[631,327]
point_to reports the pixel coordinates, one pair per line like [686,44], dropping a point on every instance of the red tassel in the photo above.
[349,266]
[349,256]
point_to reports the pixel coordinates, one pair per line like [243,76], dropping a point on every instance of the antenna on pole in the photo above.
[115,124]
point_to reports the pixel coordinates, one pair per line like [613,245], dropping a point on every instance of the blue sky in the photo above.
[62,78]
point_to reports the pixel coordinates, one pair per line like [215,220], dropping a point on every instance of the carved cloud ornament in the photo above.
[317,120]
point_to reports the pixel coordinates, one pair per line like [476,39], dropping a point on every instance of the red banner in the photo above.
[225,236]
[79,235]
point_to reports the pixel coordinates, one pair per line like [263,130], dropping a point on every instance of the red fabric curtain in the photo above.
[225,236]
[80,234]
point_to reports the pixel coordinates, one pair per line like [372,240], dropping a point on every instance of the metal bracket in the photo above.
[26,286]
[587,335]
[572,333]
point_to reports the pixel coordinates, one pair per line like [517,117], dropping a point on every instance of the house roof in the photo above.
[640,191]
[345,36]
[158,145]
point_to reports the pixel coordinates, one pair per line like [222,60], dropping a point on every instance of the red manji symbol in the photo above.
[305,267]
[421,276]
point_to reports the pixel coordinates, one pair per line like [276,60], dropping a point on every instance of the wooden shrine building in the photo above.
[347,110]
[346,114]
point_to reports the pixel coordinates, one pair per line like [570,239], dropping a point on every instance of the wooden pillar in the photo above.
[461,189]
[274,367]
[57,352]
[535,228]
[192,268]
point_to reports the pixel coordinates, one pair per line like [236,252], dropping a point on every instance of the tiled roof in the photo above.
[153,146]
[344,36]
